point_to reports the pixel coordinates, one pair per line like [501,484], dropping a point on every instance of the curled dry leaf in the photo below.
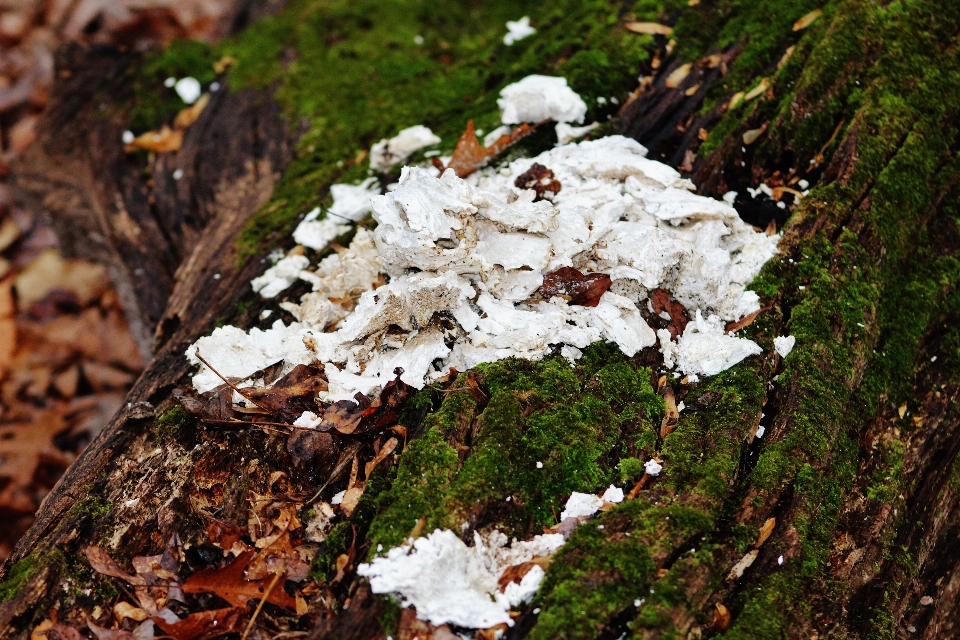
[189,115]
[584,290]
[721,617]
[807,20]
[540,179]
[751,136]
[745,321]
[204,624]
[123,610]
[469,155]
[743,564]
[661,301]
[678,75]
[757,90]
[515,573]
[229,583]
[672,415]
[162,141]
[765,531]
[649,28]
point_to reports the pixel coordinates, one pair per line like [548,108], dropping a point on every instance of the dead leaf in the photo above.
[669,423]
[24,445]
[584,290]
[56,631]
[662,302]
[757,90]
[649,28]
[515,573]
[721,617]
[223,534]
[50,271]
[412,628]
[902,411]
[493,633]
[144,631]
[751,136]
[692,90]
[189,115]
[385,411]
[539,179]
[279,556]
[311,449]
[162,141]
[743,322]
[123,610]
[9,233]
[703,134]
[343,416]
[8,328]
[221,65]
[205,624]
[229,583]
[469,155]
[765,531]
[786,56]
[807,20]
[743,564]
[292,394]
[678,75]
[736,99]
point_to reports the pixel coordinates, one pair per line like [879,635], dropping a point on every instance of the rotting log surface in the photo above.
[858,463]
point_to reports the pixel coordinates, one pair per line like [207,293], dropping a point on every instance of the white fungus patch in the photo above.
[612,494]
[652,467]
[317,234]
[446,278]
[188,89]
[581,505]
[451,583]
[518,30]
[784,345]
[567,132]
[388,153]
[537,98]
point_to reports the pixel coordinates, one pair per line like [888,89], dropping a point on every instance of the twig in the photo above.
[266,594]
[230,384]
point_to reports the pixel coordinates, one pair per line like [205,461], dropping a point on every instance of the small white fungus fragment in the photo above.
[761,430]
[418,39]
[780,560]
[729,197]
[352,202]
[612,494]
[387,153]
[681,406]
[581,505]
[567,133]
[784,345]
[188,89]
[280,276]
[537,98]
[266,313]
[652,467]
[704,349]
[518,30]
[317,234]
[177,174]
[308,419]
[338,497]
[169,82]
[451,583]
[517,594]
[128,137]
[493,136]
[803,184]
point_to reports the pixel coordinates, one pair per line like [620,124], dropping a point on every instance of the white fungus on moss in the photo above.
[537,98]
[446,279]
[581,505]
[518,30]
[188,89]
[652,467]
[784,345]
[387,153]
[451,583]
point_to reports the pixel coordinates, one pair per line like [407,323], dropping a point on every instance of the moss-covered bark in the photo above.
[859,462]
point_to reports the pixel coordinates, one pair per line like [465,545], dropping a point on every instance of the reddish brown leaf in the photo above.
[101,562]
[162,141]
[385,412]
[469,155]
[584,290]
[661,301]
[229,583]
[539,179]
[343,416]
[223,534]
[745,321]
[205,624]
[315,449]
[721,617]
[515,573]
[292,394]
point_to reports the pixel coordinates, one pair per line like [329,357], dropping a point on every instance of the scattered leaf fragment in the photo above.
[669,423]
[662,302]
[649,28]
[221,65]
[189,115]
[721,617]
[757,90]
[162,141]
[765,531]
[902,411]
[229,583]
[584,290]
[926,601]
[786,56]
[678,75]
[123,610]
[469,155]
[807,20]
[540,179]
[204,624]
[736,99]
[743,564]
[743,322]
[751,136]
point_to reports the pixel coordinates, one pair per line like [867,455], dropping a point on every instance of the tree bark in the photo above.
[857,470]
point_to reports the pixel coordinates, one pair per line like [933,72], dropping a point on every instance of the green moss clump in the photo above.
[18,576]
[154,104]
[172,421]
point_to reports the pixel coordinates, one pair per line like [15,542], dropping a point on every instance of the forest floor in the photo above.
[67,358]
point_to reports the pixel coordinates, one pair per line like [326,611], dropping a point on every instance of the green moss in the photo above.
[171,421]
[18,576]
[153,103]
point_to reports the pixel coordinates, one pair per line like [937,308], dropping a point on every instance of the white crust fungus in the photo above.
[537,98]
[518,30]
[388,153]
[784,345]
